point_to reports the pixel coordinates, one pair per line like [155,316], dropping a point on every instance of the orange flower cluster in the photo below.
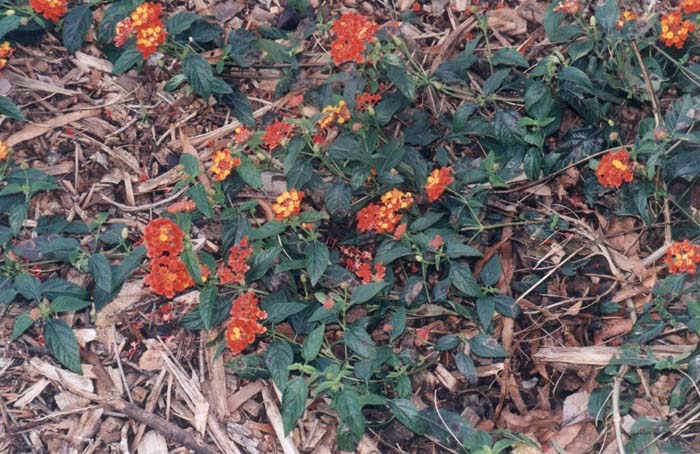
[236,267]
[241,135]
[244,324]
[334,115]
[367,100]
[185,206]
[163,237]
[353,33]
[614,169]
[364,272]
[690,6]
[288,204]
[626,16]
[277,133]
[145,21]
[6,52]
[359,261]
[223,164]
[384,217]
[568,7]
[682,257]
[168,276]
[675,30]
[3,150]
[53,10]
[438,180]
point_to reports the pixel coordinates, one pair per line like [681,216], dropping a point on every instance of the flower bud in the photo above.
[593,21]
[419,258]
[125,233]
[10,12]
[613,136]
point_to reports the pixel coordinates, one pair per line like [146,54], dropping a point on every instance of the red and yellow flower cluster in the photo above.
[6,52]
[385,216]
[334,115]
[244,324]
[367,100]
[145,21]
[438,180]
[690,6]
[223,164]
[568,7]
[164,242]
[675,30]
[288,204]
[626,16]
[352,32]
[614,169]
[53,10]
[682,257]
[236,267]
[360,262]
[277,133]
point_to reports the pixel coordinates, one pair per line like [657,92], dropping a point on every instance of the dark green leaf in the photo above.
[262,261]
[76,24]
[447,342]
[506,306]
[487,347]
[494,82]
[249,173]
[207,306]
[267,230]
[242,109]
[399,77]
[398,323]
[347,403]
[101,272]
[293,403]
[366,292]
[279,311]
[491,271]
[338,198]
[28,286]
[62,344]
[509,56]
[68,303]
[190,163]
[485,308]
[608,14]
[9,108]
[316,260]
[180,22]
[199,74]
[357,340]
[199,196]
[8,24]
[464,280]
[466,366]
[127,60]
[189,258]
[408,415]
[53,288]
[22,323]
[130,264]
[312,343]
[278,358]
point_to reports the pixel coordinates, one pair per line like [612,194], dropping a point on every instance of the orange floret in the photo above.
[168,276]
[236,266]
[626,16]
[675,30]
[149,38]
[162,236]
[690,6]
[223,164]
[277,133]
[682,257]
[568,7]
[288,204]
[53,10]
[438,180]
[614,169]
[3,150]
[367,100]
[334,115]
[122,32]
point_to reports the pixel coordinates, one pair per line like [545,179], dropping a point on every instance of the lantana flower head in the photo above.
[168,276]
[614,169]
[244,323]
[377,218]
[6,52]
[334,115]
[53,10]
[277,133]
[241,135]
[690,6]
[568,7]
[675,30]
[236,267]
[122,32]
[163,237]
[353,32]
[367,100]
[149,38]
[626,16]
[288,204]
[146,14]
[396,200]
[438,180]
[223,164]
[682,257]
[364,272]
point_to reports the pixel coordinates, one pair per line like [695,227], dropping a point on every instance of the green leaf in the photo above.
[53,288]
[279,311]
[207,306]
[398,324]
[608,14]
[190,163]
[249,173]
[338,199]
[491,271]
[366,292]
[101,272]
[293,403]
[506,306]
[466,366]
[9,108]
[312,343]
[577,77]
[199,196]
[8,24]
[347,403]
[494,82]
[509,56]
[485,308]
[408,415]
[62,344]
[487,347]
[189,258]
[68,303]
[127,60]
[180,22]
[357,340]
[130,264]
[278,358]
[113,14]
[76,24]
[242,109]
[199,74]
[22,323]
[447,342]
[464,280]
[267,230]
[399,77]
[28,286]
[316,260]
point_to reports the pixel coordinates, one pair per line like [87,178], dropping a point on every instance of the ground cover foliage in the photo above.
[371,227]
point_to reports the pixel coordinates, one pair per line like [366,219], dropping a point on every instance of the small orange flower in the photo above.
[614,169]
[364,272]
[437,242]
[122,32]
[223,164]
[675,30]
[438,180]
[288,204]
[6,52]
[168,276]
[3,150]
[242,134]
[237,266]
[146,14]
[277,133]
[396,200]
[626,16]
[682,257]
[377,218]
[400,231]
[185,206]
[244,324]
[149,38]
[162,236]
[568,7]
[367,100]
[334,115]
[353,33]
[53,10]
[690,6]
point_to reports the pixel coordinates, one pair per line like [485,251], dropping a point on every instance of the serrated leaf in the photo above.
[62,344]
[22,323]
[242,109]
[509,56]
[28,286]
[312,343]
[398,324]
[447,342]
[127,60]
[366,292]
[408,415]
[278,358]
[101,272]
[8,24]
[347,403]
[130,264]
[190,163]
[76,24]
[491,271]
[608,14]
[279,311]
[316,261]
[293,403]
[65,303]
[399,77]
[199,74]
[464,280]
[189,258]
[359,341]
[249,173]
[467,367]
[9,109]
[487,347]
[485,308]
[180,22]
[199,196]
[207,306]
[338,198]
